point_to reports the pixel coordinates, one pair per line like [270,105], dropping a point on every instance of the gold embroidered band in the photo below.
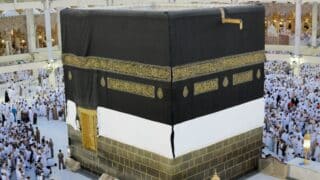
[205,86]
[163,73]
[242,77]
[131,87]
[130,68]
[217,65]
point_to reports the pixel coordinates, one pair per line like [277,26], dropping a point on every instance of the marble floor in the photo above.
[259,176]
[57,130]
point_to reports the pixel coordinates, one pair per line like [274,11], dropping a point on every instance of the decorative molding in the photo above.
[258,75]
[129,68]
[102,82]
[225,82]
[160,93]
[69,75]
[243,77]
[163,73]
[149,90]
[205,86]
[217,65]
[185,91]
[131,87]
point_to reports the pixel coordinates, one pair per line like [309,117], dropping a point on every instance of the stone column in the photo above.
[47,19]
[59,28]
[314,24]
[31,33]
[7,48]
[9,44]
[297,35]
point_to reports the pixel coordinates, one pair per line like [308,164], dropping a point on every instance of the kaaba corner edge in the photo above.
[166,66]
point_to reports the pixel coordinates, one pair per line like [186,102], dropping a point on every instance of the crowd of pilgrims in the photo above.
[292,109]
[15,76]
[42,99]
[24,153]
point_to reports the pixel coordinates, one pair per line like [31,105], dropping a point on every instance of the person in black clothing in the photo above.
[278,99]
[295,101]
[43,140]
[3,119]
[6,97]
[35,118]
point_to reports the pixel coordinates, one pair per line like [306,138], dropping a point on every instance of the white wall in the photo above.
[135,131]
[71,114]
[207,130]
[190,135]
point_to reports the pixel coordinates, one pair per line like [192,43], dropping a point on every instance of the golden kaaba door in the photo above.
[88,123]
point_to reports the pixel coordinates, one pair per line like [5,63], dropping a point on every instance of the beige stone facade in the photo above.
[231,158]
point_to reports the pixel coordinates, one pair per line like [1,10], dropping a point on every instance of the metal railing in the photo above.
[129,2]
[12,1]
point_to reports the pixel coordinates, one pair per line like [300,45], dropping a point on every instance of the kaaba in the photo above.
[165,91]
